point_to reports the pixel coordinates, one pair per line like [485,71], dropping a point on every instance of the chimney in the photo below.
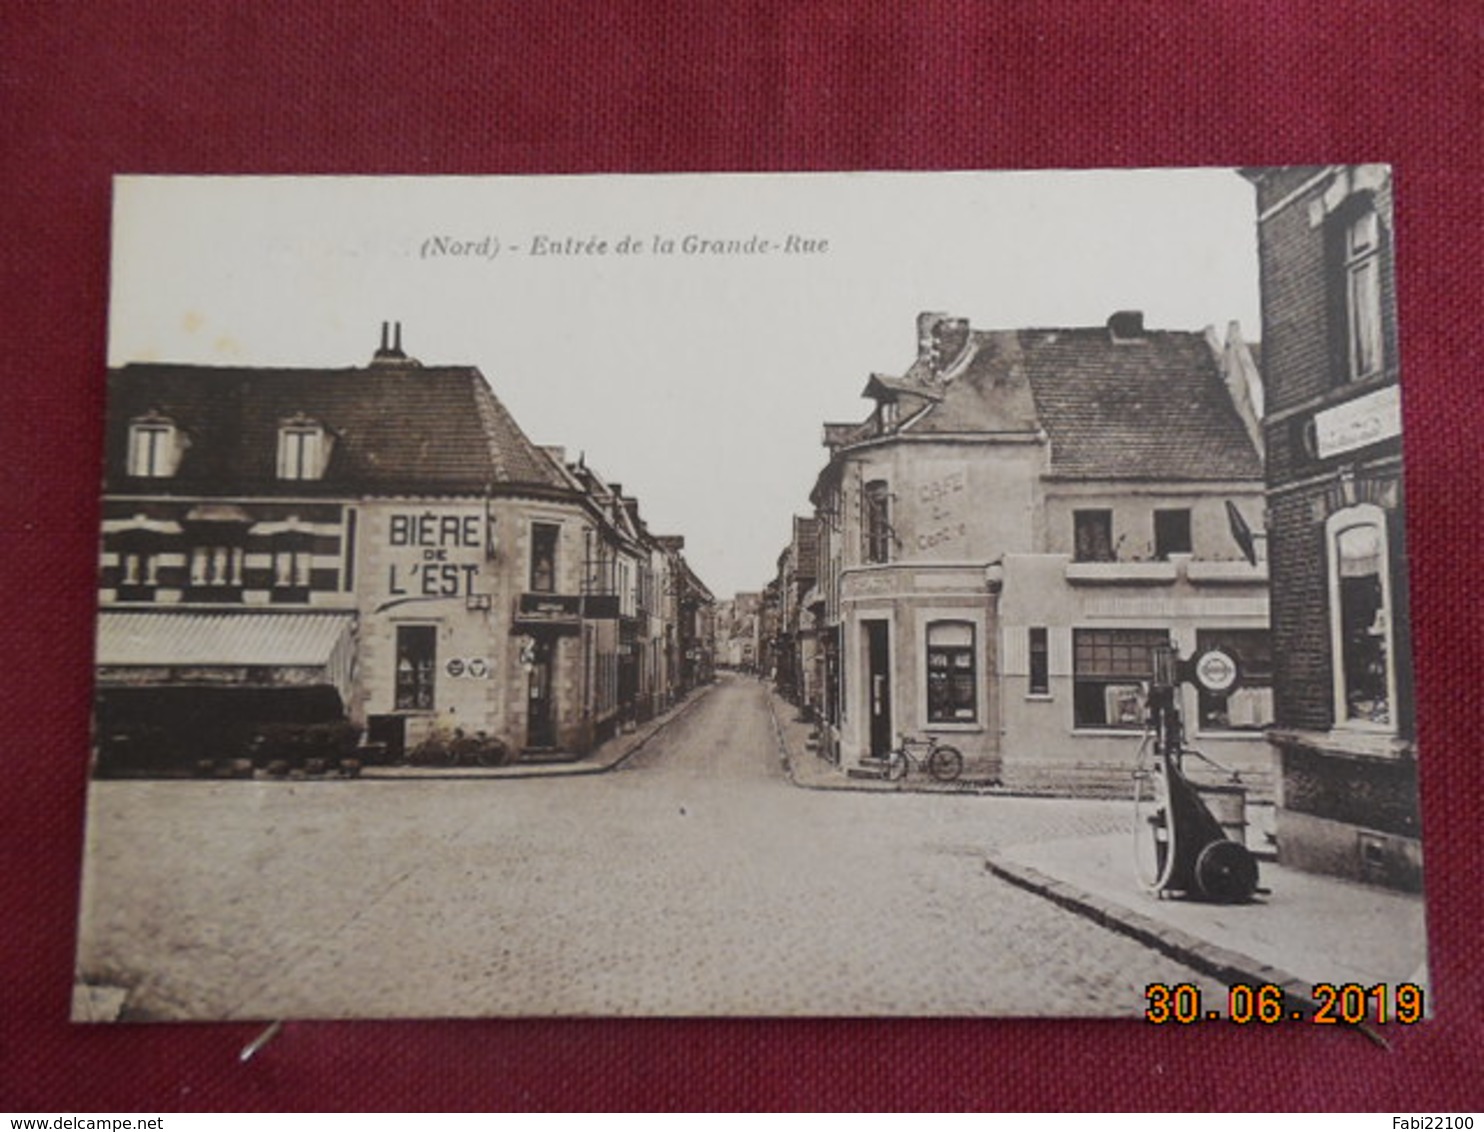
[390,352]
[1126,326]
[940,340]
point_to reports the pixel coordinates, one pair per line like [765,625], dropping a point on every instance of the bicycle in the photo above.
[943,762]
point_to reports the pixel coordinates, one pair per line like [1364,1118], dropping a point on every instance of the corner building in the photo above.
[1021,519]
[381,544]
[1345,732]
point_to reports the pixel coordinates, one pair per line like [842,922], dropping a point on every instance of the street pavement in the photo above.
[1300,930]
[692,878]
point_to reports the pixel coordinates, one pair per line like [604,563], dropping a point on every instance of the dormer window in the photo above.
[154,447]
[303,450]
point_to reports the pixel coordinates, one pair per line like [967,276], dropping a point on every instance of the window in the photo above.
[543,557]
[138,570]
[1109,670]
[153,448]
[952,686]
[1171,533]
[1092,536]
[1040,678]
[1360,605]
[876,524]
[302,451]
[291,565]
[417,656]
[1362,272]
[216,566]
[1248,706]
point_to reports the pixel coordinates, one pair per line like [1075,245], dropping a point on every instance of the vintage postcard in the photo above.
[901,594]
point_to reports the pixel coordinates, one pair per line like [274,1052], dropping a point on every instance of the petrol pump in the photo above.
[1181,849]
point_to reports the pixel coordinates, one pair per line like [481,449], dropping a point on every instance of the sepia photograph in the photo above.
[754,595]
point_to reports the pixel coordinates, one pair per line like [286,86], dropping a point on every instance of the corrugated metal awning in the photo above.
[249,649]
[297,640]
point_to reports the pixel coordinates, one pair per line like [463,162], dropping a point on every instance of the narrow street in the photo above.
[694,879]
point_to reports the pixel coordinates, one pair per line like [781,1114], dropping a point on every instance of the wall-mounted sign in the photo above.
[552,607]
[1356,424]
[474,667]
[1216,671]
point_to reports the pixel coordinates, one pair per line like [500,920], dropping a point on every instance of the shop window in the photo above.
[876,502]
[1110,668]
[544,557]
[1360,233]
[1040,667]
[303,450]
[1360,608]
[1092,533]
[1248,706]
[952,683]
[1172,532]
[154,448]
[417,660]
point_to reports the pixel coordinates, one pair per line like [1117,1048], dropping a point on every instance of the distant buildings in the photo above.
[737,642]
[379,544]
[1001,543]
[1345,733]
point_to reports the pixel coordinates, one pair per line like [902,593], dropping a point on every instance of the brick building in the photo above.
[1345,729]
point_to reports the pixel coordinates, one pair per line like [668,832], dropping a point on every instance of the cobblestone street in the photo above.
[694,879]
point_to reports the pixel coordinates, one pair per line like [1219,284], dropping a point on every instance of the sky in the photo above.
[643,322]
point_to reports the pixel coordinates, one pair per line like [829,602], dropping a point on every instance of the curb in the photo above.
[560,770]
[1221,963]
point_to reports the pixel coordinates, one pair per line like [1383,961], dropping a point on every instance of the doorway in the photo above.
[540,721]
[878,685]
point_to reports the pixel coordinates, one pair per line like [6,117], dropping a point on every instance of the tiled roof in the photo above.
[987,394]
[1150,408]
[395,428]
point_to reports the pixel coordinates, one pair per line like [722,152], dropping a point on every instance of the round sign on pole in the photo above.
[455,667]
[478,667]
[1216,670]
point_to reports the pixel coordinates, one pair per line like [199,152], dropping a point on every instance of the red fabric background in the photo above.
[218,87]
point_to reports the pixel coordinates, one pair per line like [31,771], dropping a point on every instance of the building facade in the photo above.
[1020,520]
[381,545]
[1345,730]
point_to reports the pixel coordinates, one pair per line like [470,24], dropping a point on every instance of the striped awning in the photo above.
[185,641]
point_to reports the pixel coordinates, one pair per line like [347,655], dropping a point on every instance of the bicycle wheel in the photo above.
[896,766]
[945,764]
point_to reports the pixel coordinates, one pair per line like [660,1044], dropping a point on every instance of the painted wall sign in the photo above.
[940,509]
[1355,424]
[435,553]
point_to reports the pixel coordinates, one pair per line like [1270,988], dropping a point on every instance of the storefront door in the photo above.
[878,686]
[540,725]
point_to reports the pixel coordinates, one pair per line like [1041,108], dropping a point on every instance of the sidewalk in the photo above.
[1301,930]
[599,761]
[808,770]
